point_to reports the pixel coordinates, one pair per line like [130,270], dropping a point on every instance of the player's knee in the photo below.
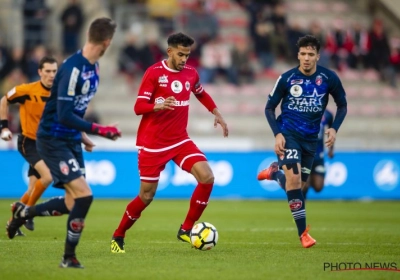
[207,178]
[318,188]
[147,196]
[46,180]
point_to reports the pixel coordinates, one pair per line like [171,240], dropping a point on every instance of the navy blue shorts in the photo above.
[318,167]
[27,148]
[299,151]
[64,159]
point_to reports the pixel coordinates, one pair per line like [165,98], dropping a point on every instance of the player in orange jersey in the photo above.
[31,97]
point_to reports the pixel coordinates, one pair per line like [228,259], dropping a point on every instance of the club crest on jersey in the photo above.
[296,90]
[176,86]
[85,87]
[187,85]
[64,168]
[318,80]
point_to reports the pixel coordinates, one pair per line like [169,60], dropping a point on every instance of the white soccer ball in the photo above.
[204,236]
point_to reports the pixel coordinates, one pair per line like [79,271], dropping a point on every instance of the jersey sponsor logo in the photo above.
[73,79]
[309,103]
[181,103]
[187,85]
[296,82]
[64,168]
[163,79]
[296,90]
[11,92]
[85,87]
[159,100]
[82,101]
[318,80]
[176,86]
[295,204]
[88,74]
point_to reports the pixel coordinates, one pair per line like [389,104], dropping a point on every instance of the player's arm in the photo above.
[207,101]
[65,108]
[274,98]
[339,96]
[329,121]
[15,95]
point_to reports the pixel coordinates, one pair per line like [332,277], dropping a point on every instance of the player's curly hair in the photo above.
[180,39]
[309,41]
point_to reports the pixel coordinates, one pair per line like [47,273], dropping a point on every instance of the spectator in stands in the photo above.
[379,49]
[261,32]
[163,12]
[201,24]
[279,40]
[340,45]
[294,32]
[241,66]
[32,62]
[129,59]
[6,63]
[34,14]
[72,20]
[360,47]
[216,57]
[315,29]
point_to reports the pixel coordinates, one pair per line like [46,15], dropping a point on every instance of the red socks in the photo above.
[198,203]
[132,213]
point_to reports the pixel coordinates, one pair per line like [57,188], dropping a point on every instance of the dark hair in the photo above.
[181,39]
[309,41]
[101,29]
[46,59]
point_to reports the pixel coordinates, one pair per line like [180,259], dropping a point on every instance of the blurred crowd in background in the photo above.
[271,39]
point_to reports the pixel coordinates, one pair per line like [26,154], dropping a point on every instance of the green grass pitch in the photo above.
[257,240]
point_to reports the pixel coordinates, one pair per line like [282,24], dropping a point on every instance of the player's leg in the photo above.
[41,184]
[272,172]
[150,167]
[318,174]
[192,160]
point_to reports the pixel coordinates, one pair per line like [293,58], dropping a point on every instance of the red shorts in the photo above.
[152,163]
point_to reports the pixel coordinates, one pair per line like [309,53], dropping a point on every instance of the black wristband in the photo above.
[3,124]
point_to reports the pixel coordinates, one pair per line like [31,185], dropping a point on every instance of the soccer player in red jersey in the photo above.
[163,102]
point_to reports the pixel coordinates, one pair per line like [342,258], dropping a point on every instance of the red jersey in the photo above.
[166,129]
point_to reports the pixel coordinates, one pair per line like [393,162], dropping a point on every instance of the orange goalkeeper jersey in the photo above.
[32,99]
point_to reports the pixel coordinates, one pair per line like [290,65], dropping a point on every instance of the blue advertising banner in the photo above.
[113,174]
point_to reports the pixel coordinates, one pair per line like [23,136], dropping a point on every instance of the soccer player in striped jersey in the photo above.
[31,98]
[61,132]
[163,102]
[304,94]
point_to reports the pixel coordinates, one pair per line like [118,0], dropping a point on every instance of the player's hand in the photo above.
[280,144]
[168,104]
[331,137]
[89,145]
[107,131]
[220,120]
[6,134]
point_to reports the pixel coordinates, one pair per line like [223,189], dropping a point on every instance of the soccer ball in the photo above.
[204,236]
